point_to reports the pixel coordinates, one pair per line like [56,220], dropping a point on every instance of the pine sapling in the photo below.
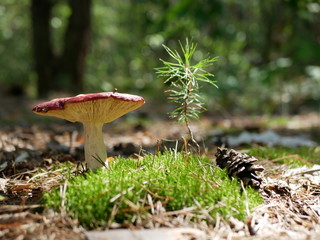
[183,79]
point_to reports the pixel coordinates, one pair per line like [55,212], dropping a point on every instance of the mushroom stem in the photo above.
[94,148]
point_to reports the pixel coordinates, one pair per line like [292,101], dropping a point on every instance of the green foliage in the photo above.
[269,63]
[129,191]
[15,47]
[184,78]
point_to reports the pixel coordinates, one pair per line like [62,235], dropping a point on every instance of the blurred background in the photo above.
[269,51]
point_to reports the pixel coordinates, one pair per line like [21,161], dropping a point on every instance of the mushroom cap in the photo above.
[92,107]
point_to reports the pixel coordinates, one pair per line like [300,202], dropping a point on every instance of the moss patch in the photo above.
[132,188]
[294,157]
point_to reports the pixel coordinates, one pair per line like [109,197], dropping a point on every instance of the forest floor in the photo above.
[292,204]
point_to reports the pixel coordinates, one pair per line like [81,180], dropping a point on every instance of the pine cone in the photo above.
[241,166]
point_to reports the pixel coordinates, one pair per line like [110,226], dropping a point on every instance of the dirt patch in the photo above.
[47,225]
[291,209]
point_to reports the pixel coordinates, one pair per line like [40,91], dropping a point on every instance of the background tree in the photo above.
[60,71]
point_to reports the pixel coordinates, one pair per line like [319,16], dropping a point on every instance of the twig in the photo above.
[63,190]
[192,136]
[246,197]
[99,160]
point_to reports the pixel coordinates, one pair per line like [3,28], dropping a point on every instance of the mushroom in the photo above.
[92,110]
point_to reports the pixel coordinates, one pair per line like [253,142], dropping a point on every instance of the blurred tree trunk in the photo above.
[62,72]
[42,46]
[76,42]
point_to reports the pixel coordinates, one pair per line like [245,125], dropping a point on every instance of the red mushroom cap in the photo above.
[99,107]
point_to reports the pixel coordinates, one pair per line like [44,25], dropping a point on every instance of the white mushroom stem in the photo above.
[94,147]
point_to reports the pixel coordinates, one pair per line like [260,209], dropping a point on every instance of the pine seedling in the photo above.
[183,79]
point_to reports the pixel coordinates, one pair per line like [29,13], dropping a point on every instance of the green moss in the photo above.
[279,121]
[124,192]
[294,157]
